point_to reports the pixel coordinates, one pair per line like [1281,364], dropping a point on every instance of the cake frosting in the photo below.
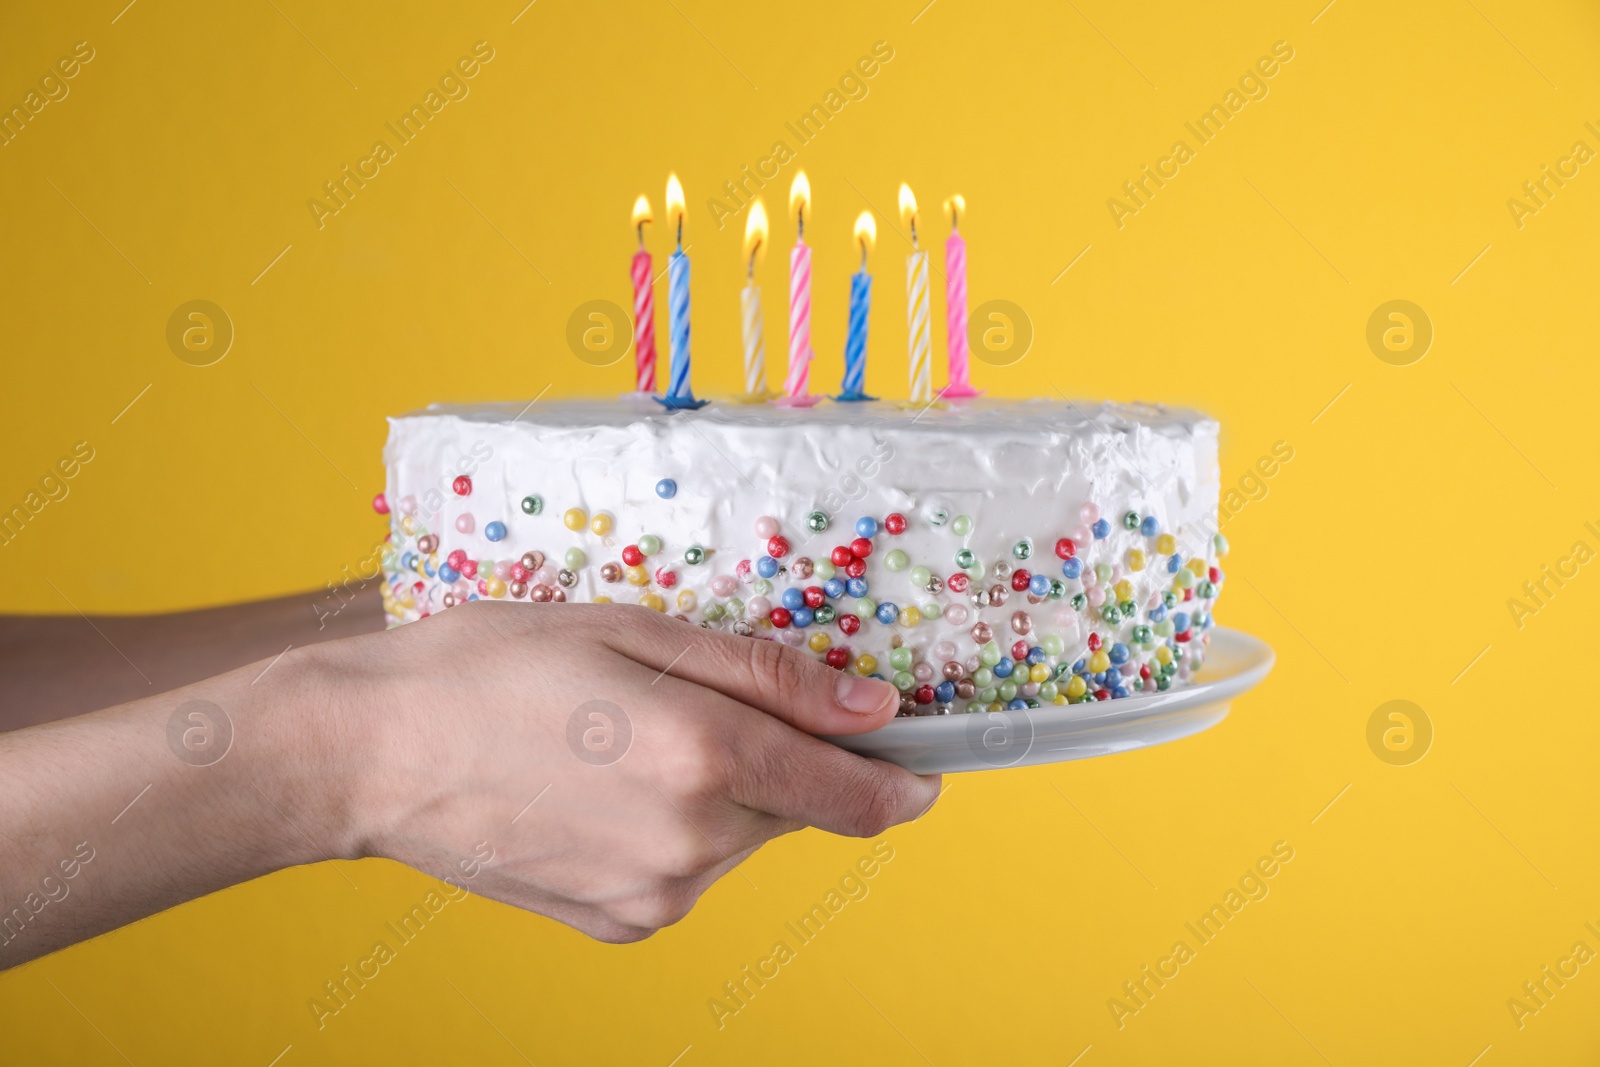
[984,555]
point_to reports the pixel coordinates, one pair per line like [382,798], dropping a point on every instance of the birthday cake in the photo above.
[987,555]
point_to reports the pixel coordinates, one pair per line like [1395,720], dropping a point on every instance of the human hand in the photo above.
[465,718]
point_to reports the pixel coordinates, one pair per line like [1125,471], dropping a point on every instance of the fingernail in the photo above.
[861,695]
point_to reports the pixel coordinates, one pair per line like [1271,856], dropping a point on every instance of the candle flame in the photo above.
[866,232]
[955,207]
[641,211]
[800,196]
[755,232]
[908,205]
[675,207]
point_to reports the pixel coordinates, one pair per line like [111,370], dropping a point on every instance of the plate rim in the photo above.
[931,735]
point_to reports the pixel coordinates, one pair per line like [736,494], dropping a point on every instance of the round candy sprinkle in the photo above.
[1088,514]
[694,555]
[610,573]
[380,504]
[574,519]
[1021,579]
[653,601]
[961,525]
[779,617]
[896,560]
[1130,521]
[666,578]
[817,521]
[766,527]
[937,516]
[723,585]
[428,543]
[766,566]
[601,524]
[533,560]
[1022,549]
[532,505]
[649,544]
[495,531]
[465,523]
[1065,548]
[860,548]
[856,587]
[1135,559]
[1149,527]
[1102,529]
[666,489]
[856,568]
[462,485]
[866,526]
[887,613]
[838,658]
[894,523]
[958,583]
[777,547]
[632,556]
[576,558]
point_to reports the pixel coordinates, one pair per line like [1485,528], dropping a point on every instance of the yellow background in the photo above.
[1378,563]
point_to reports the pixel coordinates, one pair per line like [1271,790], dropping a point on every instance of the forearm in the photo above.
[55,666]
[109,817]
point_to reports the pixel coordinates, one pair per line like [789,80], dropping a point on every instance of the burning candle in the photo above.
[679,394]
[918,342]
[755,346]
[644,306]
[855,345]
[797,387]
[955,305]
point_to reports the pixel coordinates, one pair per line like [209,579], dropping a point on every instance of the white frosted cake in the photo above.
[995,554]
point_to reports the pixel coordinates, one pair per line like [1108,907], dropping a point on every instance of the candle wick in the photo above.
[914,244]
[641,233]
[801,233]
[955,219]
[751,273]
[680,233]
[863,257]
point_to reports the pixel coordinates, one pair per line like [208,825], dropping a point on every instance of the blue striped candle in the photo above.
[855,346]
[679,394]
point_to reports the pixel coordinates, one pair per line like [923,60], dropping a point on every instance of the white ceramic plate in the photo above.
[943,744]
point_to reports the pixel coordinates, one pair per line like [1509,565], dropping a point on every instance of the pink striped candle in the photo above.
[799,380]
[955,305]
[644,306]
[797,387]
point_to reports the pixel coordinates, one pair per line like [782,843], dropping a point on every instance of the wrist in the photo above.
[318,750]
